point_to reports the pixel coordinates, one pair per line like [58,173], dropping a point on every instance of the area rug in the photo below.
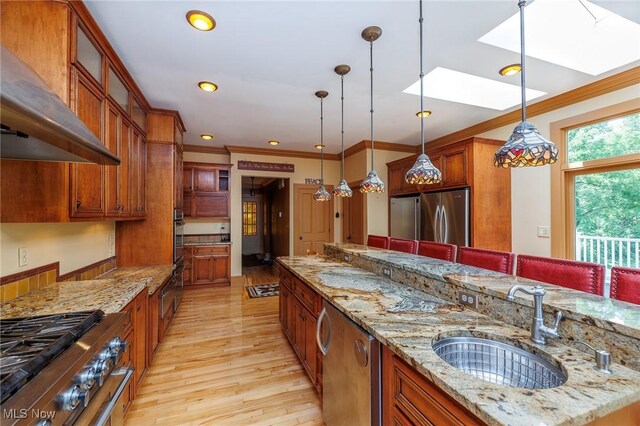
[263,290]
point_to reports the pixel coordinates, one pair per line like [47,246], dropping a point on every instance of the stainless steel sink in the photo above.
[499,363]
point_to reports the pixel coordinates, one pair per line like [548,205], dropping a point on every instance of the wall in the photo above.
[304,168]
[531,186]
[74,245]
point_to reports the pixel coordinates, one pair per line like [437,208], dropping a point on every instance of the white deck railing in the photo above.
[608,251]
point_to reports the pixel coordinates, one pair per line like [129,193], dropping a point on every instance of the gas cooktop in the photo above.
[27,345]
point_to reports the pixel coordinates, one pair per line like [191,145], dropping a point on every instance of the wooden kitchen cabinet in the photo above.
[127,361]
[140,336]
[206,190]
[467,164]
[299,323]
[188,265]
[137,176]
[117,177]
[408,398]
[210,265]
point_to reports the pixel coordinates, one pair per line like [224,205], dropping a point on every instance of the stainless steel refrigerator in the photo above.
[444,217]
[405,218]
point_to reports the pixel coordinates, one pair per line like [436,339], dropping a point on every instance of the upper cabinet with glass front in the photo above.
[118,91]
[139,115]
[89,56]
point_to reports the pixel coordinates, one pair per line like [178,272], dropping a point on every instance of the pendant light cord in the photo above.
[371,110]
[523,87]
[421,85]
[321,144]
[342,119]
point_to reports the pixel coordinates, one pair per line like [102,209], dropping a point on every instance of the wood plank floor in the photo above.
[226,362]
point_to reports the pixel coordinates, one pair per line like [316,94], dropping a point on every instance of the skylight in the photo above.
[455,86]
[566,33]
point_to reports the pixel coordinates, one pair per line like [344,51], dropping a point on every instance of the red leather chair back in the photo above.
[400,244]
[378,241]
[440,251]
[581,276]
[499,261]
[625,284]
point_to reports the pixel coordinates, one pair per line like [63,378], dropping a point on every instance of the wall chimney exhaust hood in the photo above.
[37,125]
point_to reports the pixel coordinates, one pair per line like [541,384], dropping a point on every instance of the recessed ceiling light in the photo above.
[424,113]
[318,146]
[206,137]
[456,86]
[208,86]
[574,34]
[273,142]
[510,69]
[200,20]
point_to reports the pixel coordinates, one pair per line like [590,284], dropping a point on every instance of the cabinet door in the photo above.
[454,168]
[140,337]
[124,184]
[210,205]
[202,266]
[142,176]
[310,361]
[87,180]
[205,180]
[283,312]
[298,330]
[137,173]
[395,179]
[187,179]
[178,176]
[220,269]
[187,204]
[153,324]
[112,138]
[127,359]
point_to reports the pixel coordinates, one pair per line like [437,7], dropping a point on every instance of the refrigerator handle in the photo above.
[436,221]
[323,348]
[445,222]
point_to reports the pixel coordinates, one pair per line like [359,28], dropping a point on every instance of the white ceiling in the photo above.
[269,57]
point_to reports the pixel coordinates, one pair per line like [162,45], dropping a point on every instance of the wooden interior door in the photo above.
[312,220]
[353,216]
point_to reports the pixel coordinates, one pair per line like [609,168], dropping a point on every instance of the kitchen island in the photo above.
[407,320]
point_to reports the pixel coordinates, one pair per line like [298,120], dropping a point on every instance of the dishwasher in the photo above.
[350,371]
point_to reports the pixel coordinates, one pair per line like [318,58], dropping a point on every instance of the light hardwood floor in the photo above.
[226,362]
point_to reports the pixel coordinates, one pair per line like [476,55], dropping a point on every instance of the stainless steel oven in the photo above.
[178,278]
[178,235]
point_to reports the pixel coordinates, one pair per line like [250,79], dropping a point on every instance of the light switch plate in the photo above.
[467,299]
[544,232]
[23,258]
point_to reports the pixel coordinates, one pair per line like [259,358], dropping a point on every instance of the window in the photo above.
[595,187]
[249,218]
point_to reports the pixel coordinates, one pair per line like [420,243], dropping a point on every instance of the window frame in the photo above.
[563,173]
[246,214]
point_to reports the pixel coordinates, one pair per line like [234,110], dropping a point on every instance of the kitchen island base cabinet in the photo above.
[299,309]
[408,398]
[135,330]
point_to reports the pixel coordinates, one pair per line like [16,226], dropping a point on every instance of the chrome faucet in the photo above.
[539,332]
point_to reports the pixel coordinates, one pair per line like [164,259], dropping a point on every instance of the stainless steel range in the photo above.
[62,369]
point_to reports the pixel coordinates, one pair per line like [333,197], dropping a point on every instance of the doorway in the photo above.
[312,220]
[265,225]
[354,216]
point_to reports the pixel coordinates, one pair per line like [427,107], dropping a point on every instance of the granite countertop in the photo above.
[208,243]
[407,320]
[205,240]
[110,292]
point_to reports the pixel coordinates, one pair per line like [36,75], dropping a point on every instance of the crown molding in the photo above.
[381,145]
[206,149]
[235,149]
[583,93]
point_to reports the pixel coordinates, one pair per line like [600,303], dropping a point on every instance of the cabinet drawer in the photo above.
[286,278]
[307,296]
[199,250]
[127,325]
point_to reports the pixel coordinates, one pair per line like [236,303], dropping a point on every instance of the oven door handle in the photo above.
[104,416]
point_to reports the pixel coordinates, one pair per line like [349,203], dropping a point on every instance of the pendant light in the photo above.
[423,171]
[252,192]
[342,190]
[321,194]
[372,182]
[525,147]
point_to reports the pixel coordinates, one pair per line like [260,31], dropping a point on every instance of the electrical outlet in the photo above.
[112,245]
[544,232]
[386,272]
[346,258]
[23,258]
[467,299]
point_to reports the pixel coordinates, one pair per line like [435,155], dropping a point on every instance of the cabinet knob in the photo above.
[78,203]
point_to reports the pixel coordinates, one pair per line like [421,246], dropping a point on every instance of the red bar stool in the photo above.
[435,250]
[625,284]
[582,276]
[400,244]
[499,261]
[378,241]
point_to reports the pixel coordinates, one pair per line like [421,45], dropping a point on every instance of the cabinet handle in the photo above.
[78,203]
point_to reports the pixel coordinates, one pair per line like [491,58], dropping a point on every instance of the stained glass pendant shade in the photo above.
[372,183]
[321,194]
[342,189]
[423,171]
[525,147]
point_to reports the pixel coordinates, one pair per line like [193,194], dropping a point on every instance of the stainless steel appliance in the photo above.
[178,283]
[444,217]
[178,235]
[63,369]
[405,218]
[350,371]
